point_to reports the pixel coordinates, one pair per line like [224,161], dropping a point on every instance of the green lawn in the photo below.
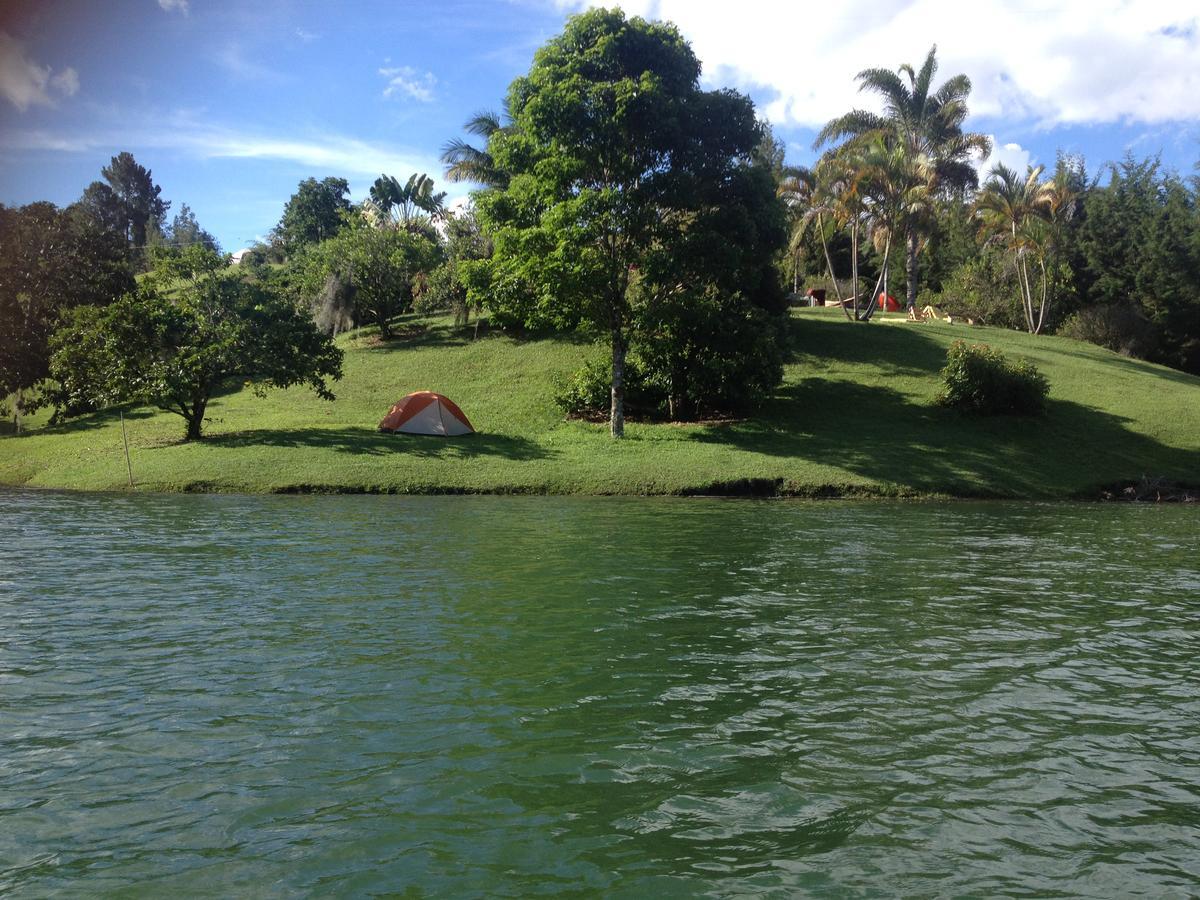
[853,416]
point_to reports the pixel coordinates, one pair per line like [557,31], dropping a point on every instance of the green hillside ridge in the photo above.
[854,416]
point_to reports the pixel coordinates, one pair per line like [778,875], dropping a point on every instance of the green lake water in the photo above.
[468,696]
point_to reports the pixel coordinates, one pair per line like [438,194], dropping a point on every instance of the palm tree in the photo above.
[413,205]
[895,180]
[465,162]
[925,122]
[797,190]
[1025,214]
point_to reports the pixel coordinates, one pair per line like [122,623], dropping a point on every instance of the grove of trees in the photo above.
[615,199]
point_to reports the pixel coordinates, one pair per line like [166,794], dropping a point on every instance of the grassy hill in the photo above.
[853,416]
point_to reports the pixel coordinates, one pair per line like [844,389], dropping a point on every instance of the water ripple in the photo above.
[513,696]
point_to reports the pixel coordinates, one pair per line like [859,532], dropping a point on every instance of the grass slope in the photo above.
[853,415]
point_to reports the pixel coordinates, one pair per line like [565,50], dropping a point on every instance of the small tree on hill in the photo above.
[377,267]
[176,353]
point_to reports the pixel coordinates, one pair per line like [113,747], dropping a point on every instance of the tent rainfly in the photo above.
[425,412]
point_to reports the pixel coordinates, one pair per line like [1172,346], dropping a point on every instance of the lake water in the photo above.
[460,696]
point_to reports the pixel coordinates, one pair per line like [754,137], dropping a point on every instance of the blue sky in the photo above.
[231,104]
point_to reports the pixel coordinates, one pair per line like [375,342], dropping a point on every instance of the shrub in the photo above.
[979,380]
[983,288]
[587,392]
[1122,329]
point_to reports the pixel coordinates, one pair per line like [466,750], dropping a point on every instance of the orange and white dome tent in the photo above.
[425,412]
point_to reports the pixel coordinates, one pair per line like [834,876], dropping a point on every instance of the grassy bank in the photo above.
[853,416]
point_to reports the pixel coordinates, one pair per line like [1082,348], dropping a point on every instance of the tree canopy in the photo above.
[622,173]
[50,261]
[176,352]
[127,201]
[314,212]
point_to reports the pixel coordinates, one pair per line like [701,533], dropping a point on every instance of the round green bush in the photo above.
[981,381]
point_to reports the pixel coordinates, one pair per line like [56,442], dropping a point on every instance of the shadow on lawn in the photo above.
[895,349]
[370,442]
[86,422]
[415,334]
[877,432]
[1134,365]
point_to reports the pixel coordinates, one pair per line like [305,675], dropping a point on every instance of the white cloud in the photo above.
[233,59]
[179,6]
[406,80]
[1065,62]
[1014,156]
[24,83]
[325,154]
[66,82]
[306,37]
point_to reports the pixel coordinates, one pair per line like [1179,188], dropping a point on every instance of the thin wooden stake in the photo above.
[125,438]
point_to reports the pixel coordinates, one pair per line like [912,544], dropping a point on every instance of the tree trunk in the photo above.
[854,269]
[18,404]
[1041,320]
[880,281]
[910,265]
[837,291]
[616,422]
[195,420]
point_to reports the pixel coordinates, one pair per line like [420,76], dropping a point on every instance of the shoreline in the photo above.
[1145,491]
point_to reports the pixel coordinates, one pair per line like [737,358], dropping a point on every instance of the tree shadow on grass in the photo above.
[895,349]
[1133,365]
[412,335]
[367,441]
[876,432]
[88,422]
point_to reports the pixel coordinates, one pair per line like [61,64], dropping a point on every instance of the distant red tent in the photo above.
[425,412]
[888,303]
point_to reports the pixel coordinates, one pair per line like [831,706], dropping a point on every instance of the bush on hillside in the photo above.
[1120,328]
[586,393]
[983,288]
[980,380]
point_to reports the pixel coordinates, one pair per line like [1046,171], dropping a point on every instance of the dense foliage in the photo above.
[980,380]
[176,352]
[127,202]
[315,212]
[51,260]
[632,207]
[368,271]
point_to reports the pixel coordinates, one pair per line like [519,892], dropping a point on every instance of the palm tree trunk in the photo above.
[1026,293]
[911,264]
[854,269]
[837,291]
[616,421]
[1042,308]
[880,281]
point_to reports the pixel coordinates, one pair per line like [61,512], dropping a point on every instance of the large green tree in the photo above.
[127,200]
[920,121]
[314,212]
[1138,245]
[613,153]
[51,260]
[176,352]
